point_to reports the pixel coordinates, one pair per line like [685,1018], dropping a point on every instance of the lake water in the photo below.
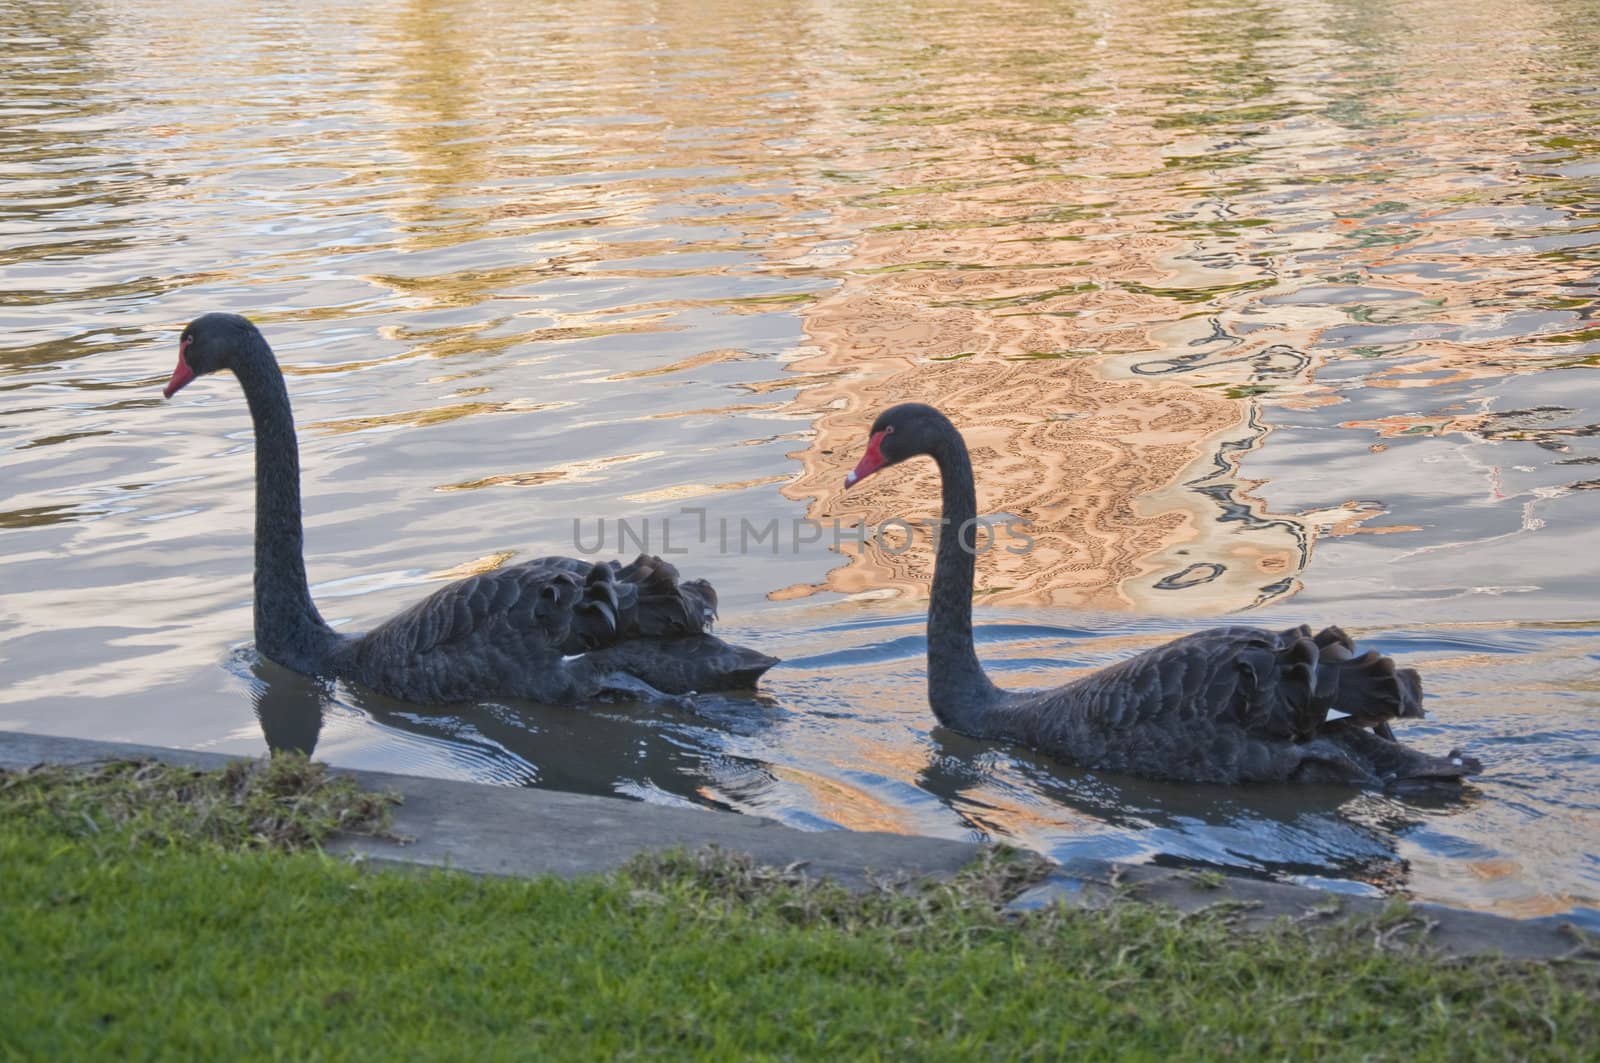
[1271,309]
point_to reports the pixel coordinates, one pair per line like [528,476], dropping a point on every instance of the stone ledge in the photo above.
[1254,903]
[497,830]
[502,830]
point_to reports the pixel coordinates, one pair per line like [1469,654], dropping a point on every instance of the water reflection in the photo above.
[1329,834]
[1251,304]
[1322,193]
[627,749]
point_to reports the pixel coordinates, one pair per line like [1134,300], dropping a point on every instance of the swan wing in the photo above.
[1280,685]
[556,604]
[1292,684]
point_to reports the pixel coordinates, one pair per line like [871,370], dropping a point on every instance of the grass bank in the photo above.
[152,911]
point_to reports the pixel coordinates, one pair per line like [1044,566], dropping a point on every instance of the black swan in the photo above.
[555,629]
[1226,705]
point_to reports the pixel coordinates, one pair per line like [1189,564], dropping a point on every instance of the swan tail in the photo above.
[643,599]
[656,603]
[1319,680]
[1371,690]
[1307,688]
[1343,703]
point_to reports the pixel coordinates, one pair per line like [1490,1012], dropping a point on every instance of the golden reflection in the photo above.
[677,491]
[530,140]
[703,411]
[575,470]
[1002,815]
[476,567]
[1229,236]
[424,418]
[951,305]
[692,362]
[851,807]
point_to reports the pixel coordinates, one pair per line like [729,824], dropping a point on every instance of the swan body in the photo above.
[555,629]
[1224,705]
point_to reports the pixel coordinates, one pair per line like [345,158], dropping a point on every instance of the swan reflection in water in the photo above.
[645,750]
[1329,835]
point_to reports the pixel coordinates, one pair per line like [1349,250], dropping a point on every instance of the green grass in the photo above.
[181,925]
[285,802]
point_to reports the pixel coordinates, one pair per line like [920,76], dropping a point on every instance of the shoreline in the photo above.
[524,832]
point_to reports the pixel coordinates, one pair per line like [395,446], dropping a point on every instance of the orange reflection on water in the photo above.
[1108,269]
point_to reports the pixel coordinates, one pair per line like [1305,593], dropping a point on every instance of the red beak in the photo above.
[870,462]
[181,375]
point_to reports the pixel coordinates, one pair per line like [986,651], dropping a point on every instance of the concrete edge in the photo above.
[497,830]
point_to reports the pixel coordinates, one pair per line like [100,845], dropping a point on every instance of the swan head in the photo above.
[901,432]
[209,343]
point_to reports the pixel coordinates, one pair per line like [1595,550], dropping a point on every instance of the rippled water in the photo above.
[1281,308]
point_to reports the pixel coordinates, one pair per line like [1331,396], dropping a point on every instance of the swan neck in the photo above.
[958,689]
[289,629]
